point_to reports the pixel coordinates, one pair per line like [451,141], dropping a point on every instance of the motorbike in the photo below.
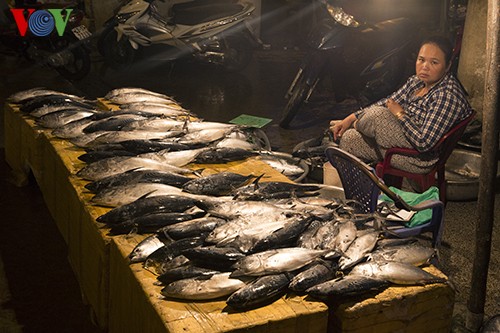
[68,54]
[215,31]
[363,60]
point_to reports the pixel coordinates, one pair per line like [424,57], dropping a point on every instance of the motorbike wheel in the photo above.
[118,55]
[297,97]
[238,53]
[78,65]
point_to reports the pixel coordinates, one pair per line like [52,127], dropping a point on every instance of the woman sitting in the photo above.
[416,116]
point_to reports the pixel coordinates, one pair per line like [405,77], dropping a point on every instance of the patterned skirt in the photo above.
[378,130]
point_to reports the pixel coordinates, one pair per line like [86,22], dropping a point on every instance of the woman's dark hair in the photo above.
[443,43]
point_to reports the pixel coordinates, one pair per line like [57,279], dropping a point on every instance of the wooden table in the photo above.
[123,297]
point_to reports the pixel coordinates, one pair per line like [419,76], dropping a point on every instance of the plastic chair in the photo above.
[394,177]
[362,184]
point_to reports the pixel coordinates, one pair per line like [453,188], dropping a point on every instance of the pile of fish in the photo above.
[223,235]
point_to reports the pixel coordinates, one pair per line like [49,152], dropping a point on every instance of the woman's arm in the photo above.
[442,110]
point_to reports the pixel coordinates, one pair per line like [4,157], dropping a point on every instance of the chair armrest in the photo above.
[428,204]
[397,151]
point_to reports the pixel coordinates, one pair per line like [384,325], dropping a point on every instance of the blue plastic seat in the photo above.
[361,183]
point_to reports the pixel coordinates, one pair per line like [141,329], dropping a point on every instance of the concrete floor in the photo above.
[258,91]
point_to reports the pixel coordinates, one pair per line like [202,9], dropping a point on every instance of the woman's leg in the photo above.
[357,144]
[381,131]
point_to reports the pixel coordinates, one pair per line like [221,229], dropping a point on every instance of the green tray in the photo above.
[252,121]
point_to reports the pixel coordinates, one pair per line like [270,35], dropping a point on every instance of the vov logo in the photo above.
[41,22]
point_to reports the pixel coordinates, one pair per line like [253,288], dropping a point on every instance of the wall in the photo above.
[472,65]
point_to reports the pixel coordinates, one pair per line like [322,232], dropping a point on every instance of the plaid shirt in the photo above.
[429,117]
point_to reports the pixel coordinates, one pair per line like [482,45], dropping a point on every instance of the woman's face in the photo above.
[431,64]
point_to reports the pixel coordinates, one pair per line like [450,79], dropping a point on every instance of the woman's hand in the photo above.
[394,107]
[338,127]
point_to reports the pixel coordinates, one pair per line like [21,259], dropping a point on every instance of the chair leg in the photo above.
[391,180]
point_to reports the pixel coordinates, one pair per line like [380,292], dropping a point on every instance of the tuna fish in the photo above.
[147,205]
[147,246]
[138,176]
[275,261]
[218,184]
[125,194]
[395,272]
[413,254]
[349,285]
[185,272]
[224,155]
[193,227]
[263,291]
[358,250]
[317,272]
[116,165]
[218,285]
[60,118]
[219,258]
[154,262]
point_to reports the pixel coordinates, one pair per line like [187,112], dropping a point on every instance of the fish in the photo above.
[184,272]
[349,285]
[120,136]
[204,136]
[413,254]
[224,155]
[155,124]
[266,190]
[49,109]
[282,165]
[308,238]
[156,260]
[243,232]
[133,90]
[116,165]
[176,158]
[85,140]
[154,221]
[54,99]
[230,142]
[135,176]
[275,261]
[140,146]
[203,288]
[94,156]
[147,205]
[232,209]
[264,290]
[317,272]
[25,95]
[218,184]
[219,258]
[147,246]
[138,96]
[112,123]
[395,272]
[358,249]
[125,194]
[193,227]
[71,130]
[286,236]
[345,234]
[318,211]
[60,118]
[176,262]
[165,109]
